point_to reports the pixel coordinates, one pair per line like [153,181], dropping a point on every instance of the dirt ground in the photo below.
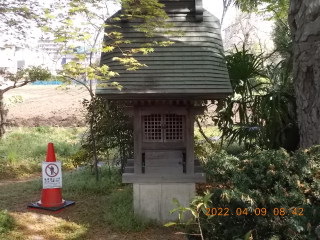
[46,106]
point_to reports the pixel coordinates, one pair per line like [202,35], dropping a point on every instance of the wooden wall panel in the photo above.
[163,162]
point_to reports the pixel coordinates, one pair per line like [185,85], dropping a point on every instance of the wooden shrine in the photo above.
[163,99]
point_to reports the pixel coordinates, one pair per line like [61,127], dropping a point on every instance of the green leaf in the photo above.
[248,235]
[189,221]
[173,210]
[204,210]
[207,198]
[170,224]
[199,205]
[176,202]
[181,216]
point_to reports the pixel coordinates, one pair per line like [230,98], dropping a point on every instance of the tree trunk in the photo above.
[3,115]
[304,20]
[94,148]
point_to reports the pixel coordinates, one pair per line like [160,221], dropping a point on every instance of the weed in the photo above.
[12,157]
[69,230]
[6,222]
[84,181]
[13,100]
[119,213]
[43,129]
[28,147]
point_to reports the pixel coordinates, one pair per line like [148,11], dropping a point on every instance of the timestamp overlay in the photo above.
[257,212]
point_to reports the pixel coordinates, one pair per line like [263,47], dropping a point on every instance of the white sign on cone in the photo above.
[51,175]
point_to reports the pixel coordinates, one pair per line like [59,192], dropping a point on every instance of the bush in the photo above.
[82,157]
[6,222]
[264,100]
[113,130]
[267,179]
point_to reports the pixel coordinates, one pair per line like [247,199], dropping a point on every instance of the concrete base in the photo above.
[154,201]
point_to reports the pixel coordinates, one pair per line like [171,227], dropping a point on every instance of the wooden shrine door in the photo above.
[163,128]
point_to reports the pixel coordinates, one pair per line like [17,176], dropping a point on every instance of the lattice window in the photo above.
[174,127]
[152,128]
[166,127]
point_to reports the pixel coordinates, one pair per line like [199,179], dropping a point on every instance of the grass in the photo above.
[105,206]
[23,150]
[120,215]
[6,222]
[210,131]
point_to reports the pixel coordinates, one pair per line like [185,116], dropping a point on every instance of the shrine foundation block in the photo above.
[155,201]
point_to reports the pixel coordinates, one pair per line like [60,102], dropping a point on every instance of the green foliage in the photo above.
[30,74]
[282,38]
[112,129]
[198,205]
[272,9]
[6,222]
[233,149]
[264,179]
[265,102]
[81,157]
[151,12]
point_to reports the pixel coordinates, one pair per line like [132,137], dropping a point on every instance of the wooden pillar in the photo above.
[190,142]
[137,140]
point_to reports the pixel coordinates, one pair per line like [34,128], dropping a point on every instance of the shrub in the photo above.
[81,157]
[113,130]
[6,222]
[269,179]
[264,100]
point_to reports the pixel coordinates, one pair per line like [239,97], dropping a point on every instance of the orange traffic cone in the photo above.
[51,199]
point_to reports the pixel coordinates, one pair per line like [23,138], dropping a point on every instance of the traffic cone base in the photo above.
[48,206]
[39,207]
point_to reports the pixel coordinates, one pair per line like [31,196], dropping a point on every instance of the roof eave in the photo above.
[163,96]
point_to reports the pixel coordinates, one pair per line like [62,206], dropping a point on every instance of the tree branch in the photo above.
[15,86]
[203,134]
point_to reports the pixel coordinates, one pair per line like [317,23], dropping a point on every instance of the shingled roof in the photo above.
[192,68]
